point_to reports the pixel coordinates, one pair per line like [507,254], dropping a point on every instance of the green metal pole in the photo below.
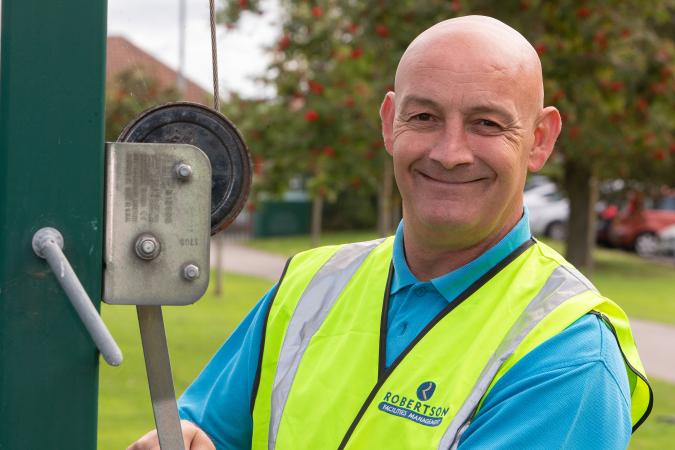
[52,71]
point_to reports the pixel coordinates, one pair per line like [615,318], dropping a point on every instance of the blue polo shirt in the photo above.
[570,392]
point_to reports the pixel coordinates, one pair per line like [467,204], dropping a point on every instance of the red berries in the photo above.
[600,40]
[317,12]
[315,87]
[616,86]
[584,12]
[559,95]
[641,105]
[284,42]
[357,52]
[351,28]
[382,30]
[311,116]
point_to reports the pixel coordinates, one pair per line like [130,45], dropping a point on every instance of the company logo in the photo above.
[426,390]
[410,408]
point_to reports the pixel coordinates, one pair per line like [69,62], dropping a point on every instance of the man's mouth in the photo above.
[450,180]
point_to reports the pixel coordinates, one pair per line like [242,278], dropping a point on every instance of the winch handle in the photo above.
[48,244]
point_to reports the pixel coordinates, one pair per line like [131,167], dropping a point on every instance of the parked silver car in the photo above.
[666,241]
[548,209]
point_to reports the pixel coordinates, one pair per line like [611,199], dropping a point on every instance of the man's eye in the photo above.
[424,117]
[488,123]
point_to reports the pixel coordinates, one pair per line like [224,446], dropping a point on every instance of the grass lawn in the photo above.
[645,289]
[658,432]
[195,333]
[290,245]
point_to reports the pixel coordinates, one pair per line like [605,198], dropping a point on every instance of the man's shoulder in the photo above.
[586,340]
[584,352]
[349,248]
[548,253]
[571,389]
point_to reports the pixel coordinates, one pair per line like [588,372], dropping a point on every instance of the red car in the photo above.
[637,225]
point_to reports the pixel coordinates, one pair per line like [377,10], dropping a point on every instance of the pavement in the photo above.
[655,340]
[237,258]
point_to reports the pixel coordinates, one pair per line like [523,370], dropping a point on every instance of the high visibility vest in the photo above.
[322,382]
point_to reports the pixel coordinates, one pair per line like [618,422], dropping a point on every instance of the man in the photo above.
[459,332]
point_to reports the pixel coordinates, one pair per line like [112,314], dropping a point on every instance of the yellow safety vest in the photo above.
[322,381]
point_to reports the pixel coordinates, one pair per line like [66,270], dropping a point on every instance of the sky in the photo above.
[153,26]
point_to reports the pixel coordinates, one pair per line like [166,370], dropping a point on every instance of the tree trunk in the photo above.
[581,186]
[317,210]
[384,217]
[218,244]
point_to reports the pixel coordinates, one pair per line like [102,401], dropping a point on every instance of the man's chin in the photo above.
[450,224]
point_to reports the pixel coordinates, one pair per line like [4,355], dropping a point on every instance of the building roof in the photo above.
[123,55]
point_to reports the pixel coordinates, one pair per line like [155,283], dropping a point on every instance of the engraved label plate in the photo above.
[145,196]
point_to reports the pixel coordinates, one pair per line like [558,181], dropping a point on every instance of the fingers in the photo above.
[193,439]
[201,442]
[149,441]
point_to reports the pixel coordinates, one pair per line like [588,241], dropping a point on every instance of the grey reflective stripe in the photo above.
[312,308]
[563,284]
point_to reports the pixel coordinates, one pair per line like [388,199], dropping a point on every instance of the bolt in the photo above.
[147,247]
[191,272]
[183,171]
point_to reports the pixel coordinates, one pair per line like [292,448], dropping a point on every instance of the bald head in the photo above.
[464,126]
[480,44]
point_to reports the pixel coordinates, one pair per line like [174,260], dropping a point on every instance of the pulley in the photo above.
[215,135]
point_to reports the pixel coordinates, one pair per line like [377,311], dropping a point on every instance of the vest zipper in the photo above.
[383,373]
[609,325]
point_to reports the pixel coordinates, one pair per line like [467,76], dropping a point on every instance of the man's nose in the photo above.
[452,147]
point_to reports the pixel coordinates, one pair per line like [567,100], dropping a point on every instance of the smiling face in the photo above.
[465,125]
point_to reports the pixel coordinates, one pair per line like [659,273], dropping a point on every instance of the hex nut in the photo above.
[147,247]
[191,272]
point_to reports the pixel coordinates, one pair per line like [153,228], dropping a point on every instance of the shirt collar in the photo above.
[453,283]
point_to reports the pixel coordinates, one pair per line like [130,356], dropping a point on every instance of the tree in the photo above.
[608,66]
[130,93]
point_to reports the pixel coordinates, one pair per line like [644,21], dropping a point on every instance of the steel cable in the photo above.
[214,56]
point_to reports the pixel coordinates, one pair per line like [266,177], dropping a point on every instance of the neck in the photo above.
[427,259]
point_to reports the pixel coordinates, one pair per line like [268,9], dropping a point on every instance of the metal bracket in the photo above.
[158,210]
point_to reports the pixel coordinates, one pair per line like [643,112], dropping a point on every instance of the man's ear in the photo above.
[387,114]
[546,133]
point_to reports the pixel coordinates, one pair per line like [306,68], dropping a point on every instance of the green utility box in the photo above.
[282,218]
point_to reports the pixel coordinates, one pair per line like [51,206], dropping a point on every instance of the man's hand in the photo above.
[193,439]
